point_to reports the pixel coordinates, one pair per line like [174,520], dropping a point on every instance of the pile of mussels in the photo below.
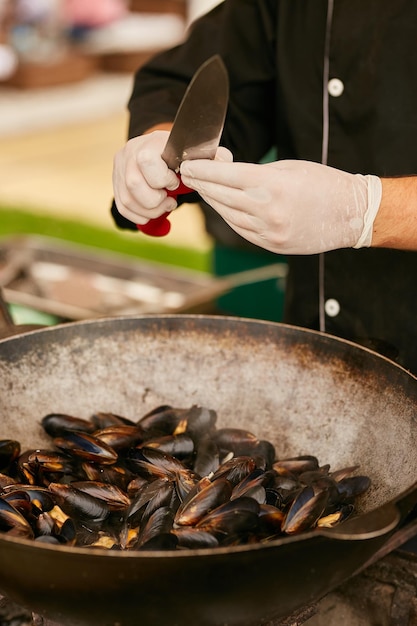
[172,480]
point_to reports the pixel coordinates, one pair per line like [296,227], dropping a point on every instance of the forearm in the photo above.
[395,225]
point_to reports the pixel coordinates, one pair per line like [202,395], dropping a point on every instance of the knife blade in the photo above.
[197,128]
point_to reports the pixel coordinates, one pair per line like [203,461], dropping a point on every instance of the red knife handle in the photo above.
[160,226]
[157,227]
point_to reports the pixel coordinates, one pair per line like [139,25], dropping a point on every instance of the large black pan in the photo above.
[305,391]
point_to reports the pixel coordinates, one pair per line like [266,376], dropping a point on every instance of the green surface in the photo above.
[261,300]
[19,221]
[26,315]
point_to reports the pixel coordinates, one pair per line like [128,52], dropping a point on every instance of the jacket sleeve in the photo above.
[160,84]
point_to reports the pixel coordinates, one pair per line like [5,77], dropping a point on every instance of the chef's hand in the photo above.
[141,178]
[289,207]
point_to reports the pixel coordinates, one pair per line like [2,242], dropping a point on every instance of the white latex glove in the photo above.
[141,178]
[289,207]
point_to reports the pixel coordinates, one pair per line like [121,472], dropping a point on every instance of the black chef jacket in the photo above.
[330,81]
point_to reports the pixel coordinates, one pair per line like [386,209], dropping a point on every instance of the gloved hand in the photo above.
[141,178]
[289,207]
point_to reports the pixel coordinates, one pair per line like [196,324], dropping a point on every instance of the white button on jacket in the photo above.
[332,307]
[335,87]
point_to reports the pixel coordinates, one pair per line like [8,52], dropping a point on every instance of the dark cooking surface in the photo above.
[385,594]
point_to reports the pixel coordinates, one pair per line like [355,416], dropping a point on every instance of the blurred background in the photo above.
[66,72]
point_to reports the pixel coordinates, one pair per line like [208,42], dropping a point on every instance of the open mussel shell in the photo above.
[305,392]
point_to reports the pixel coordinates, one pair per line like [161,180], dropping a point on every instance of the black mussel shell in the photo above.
[297,464]
[13,522]
[119,437]
[102,420]
[203,501]
[85,446]
[9,451]
[79,504]
[194,538]
[57,424]
[305,511]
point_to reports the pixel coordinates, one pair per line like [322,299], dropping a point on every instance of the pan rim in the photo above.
[184,317]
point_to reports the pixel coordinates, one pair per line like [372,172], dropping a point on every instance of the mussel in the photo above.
[9,451]
[169,480]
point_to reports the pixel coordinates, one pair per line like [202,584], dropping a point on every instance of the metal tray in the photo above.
[73,282]
[76,282]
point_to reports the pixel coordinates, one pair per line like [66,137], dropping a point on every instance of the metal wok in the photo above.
[305,391]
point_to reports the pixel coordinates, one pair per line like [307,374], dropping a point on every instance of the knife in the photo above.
[197,129]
